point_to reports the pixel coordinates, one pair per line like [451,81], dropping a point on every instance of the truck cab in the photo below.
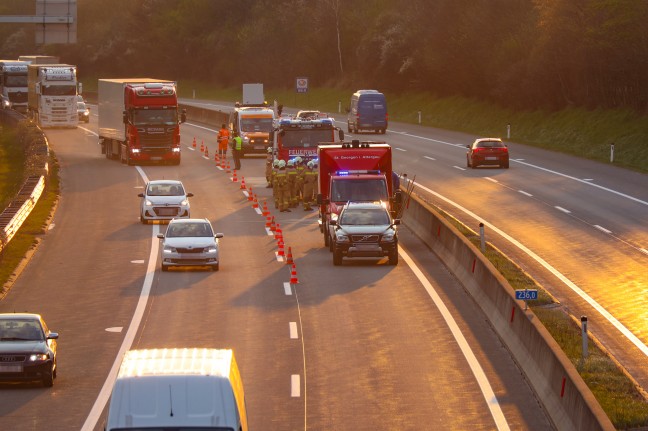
[253,124]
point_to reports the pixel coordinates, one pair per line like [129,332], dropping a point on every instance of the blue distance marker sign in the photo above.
[526,295]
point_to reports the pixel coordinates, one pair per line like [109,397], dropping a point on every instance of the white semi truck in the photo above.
[52,95]
[13,84]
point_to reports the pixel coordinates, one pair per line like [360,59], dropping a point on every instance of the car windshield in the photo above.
[369,216]
[189,230]
[20,330]
[165,190]
[81,106]
[490,144]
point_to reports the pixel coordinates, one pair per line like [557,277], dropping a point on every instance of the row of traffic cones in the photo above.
[270,220]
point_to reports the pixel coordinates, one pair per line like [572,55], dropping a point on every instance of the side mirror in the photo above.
[53,336]
[190,195]
[333,222]
[160,235]
[468,146]
[218,235]
[125,117]
[183,116]
[398,197]
[396,221]
[141,195]
[341,134]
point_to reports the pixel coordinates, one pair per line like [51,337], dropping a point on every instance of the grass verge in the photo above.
[617,394]
[33,229]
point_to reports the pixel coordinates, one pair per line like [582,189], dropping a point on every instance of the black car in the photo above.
[364,229]
[27,349]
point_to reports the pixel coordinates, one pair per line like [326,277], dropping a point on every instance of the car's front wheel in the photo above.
[337,257]
[164,268]
[215,267]
[48,379]
[143,220]
[393,256]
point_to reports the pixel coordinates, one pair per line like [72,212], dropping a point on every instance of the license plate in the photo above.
[156,158]
[11,369]
[491,158]
[365,247]
[167,211]
[258,147]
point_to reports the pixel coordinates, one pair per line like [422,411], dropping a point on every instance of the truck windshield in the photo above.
[143,117]
[59,90]
[15,80]
[256,124]
[353,189]
[305,138]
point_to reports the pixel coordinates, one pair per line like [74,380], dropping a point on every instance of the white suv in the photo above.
[164,200]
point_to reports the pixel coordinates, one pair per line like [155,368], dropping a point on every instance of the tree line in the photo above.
[523,54]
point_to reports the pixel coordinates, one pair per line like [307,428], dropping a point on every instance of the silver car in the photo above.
[164,200]
[190,242]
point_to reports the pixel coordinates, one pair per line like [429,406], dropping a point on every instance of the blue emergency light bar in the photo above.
[307,124]
[356,172]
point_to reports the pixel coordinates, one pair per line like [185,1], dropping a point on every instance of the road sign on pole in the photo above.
[301,85]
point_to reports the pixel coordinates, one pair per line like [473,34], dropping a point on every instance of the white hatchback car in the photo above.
[164,200]
[190,242]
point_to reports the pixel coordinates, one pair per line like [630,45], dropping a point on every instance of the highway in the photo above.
[362,346]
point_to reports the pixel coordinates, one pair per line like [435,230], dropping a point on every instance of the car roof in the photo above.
[189,220]
[165,182]
[364,205]
[21,316]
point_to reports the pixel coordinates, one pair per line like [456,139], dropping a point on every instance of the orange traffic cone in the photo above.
[273,226]
[293,275]
[228,169]
[202,146]
[194,142]
[281,249]
[265,210]
[234,177]
[242,183]
[222,163]
[255,202]
[216,157]
[268,221]
[289,257]
[278,233]
[206,151]
[250,198]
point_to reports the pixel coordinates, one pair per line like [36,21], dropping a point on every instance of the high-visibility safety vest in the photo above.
[238,143]
[223,136]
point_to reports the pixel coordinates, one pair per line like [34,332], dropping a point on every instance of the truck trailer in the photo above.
[13,85]
[354,172]
[139,120]
[52,95]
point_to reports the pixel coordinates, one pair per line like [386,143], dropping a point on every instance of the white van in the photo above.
[178,389]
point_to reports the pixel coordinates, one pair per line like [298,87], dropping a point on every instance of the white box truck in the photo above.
[52,95]
[253,95]
[178,389]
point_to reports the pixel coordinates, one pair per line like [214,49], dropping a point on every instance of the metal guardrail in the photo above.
[13,217]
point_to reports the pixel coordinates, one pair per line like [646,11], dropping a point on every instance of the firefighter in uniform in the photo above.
[310,184]
[299,184]
[291,173]
[283,188]
[268,170]
[223,139]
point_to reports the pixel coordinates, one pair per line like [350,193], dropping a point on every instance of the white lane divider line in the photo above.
[114,329]
[137,261]
[459,167]
[287,288]
[562,209]
[644,251]
[525,193]
[293,330]
[473,363]
[493,180]
[295,386]
[400,149]
[279,258]
[601,228]
[429,158]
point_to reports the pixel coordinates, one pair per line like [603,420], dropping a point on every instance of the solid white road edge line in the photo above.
[473,363]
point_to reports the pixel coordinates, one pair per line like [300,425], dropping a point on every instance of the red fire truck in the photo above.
[300,137]
[354,172]
[139,120]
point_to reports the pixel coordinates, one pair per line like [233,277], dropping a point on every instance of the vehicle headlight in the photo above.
[341,237]
[176,149]
[388,236]
[135,150]
[148,203]
[212,249]
[246,139]
[169,249]
[185,202]
[38,357]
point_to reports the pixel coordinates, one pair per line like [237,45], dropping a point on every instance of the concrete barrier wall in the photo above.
[205,116]
[563,393]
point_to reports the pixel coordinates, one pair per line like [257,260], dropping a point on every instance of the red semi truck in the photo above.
[139,120]
[354,172]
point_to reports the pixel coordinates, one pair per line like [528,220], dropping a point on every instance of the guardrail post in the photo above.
[584,335]
[482,237]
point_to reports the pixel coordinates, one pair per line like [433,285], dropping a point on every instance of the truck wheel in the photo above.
[337,257]
[327,239]
[331,244]
[349,128]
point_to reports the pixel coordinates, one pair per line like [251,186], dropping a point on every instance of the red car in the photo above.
[487,151]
